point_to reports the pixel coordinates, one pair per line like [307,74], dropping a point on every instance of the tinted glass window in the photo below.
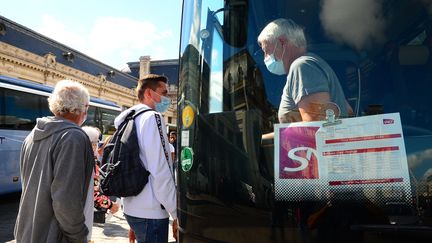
[20,110]
[92,117]
[381,55]
[107,120]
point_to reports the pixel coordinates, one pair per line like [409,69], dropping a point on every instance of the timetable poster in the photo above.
[360,158]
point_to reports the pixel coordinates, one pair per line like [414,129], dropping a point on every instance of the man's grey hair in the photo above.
[292,31]
[68,97]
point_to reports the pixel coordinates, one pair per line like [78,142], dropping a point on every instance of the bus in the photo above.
[21,103]
[381,52]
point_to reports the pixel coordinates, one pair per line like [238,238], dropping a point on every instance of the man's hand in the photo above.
[131,235]
[175,228]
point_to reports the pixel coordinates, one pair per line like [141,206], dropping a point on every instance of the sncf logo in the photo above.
[388,121]
[298,158]
[302,162]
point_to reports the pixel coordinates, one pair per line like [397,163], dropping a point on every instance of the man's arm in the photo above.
[312,106]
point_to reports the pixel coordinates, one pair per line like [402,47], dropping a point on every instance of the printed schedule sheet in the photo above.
[358,156]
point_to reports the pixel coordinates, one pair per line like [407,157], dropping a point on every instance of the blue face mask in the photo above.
[163,105]
[274,66]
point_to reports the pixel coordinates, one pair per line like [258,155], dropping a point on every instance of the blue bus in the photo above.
[381,52]
[21,103]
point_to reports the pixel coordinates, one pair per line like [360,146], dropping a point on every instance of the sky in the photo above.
[111,31]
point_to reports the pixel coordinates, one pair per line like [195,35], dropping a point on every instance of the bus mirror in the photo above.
[235,22]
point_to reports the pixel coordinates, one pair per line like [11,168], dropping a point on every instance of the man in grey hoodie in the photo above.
[56,165]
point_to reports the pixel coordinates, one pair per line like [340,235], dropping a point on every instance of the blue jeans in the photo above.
[149,230]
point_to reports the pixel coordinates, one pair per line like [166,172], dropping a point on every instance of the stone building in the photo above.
[28,55]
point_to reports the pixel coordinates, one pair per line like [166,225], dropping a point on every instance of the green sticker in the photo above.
[186,159]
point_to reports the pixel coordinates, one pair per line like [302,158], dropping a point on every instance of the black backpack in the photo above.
[122,171]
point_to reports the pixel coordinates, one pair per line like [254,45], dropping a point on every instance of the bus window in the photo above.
[216,75]
[2,108]
[20,110]
[45,111]
[92,117]
[107,121]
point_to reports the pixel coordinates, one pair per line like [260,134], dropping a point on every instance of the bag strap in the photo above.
[131,115]
[159,124]
[140,112]
[135,113]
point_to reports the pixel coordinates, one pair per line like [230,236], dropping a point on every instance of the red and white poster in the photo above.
[361,157]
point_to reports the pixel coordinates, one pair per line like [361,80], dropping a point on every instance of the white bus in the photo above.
[21,103]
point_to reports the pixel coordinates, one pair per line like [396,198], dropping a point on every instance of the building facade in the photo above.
[28,55]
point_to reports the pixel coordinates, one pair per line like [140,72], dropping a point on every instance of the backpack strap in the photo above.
[140,112]
[135,113]
[132,115]
[159,124]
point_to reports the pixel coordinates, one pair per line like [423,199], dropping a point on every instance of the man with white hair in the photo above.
[311,86]
[56,165]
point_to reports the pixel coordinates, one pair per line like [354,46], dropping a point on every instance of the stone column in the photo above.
[144,67]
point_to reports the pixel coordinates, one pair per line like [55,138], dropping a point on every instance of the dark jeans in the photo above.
[149,230]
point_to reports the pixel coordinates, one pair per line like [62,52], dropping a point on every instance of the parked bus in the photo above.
[381,53]
[21,103]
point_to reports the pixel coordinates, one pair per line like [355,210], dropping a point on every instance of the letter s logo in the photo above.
[304,162]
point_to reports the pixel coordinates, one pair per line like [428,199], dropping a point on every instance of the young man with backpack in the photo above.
[147,213]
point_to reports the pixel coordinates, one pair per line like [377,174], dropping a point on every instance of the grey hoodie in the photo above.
[56,165]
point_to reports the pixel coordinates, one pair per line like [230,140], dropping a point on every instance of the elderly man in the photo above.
[55,166]
[311,86]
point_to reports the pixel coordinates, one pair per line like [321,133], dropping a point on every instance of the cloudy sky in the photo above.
[111,31]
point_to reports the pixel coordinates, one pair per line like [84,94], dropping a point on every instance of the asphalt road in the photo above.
[8,212]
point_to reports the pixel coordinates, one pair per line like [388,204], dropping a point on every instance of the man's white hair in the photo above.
[68,97]
[293,32]
[92,132]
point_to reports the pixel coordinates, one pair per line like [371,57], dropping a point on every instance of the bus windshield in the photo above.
[364,58]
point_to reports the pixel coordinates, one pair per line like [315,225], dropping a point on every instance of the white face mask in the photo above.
[163,105]
[274,66]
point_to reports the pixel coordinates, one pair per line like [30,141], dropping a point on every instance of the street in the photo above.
[114,230]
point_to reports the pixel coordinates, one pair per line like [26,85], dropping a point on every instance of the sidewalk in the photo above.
[116,229]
